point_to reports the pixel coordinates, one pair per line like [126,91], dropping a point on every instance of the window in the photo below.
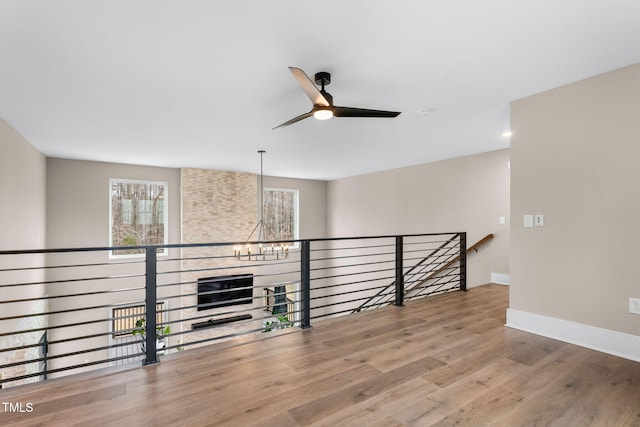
[125,318]
[138,215]
[281,212]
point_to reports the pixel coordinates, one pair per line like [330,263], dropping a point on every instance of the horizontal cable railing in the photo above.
[433,281]
[66,311]
[433,274]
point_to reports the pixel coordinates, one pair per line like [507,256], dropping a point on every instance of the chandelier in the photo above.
[262,232]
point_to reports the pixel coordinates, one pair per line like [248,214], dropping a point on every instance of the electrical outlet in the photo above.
[634,305]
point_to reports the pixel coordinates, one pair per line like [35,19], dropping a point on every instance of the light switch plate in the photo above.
[528,220]
[502,220]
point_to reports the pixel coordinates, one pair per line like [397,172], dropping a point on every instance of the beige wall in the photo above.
[78,216]
[78,200]
[22,226]
[313,224]
[23,190]
[463,194]
[312,202]
[574,155]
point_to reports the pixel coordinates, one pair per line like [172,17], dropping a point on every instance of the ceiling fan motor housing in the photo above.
[323,78]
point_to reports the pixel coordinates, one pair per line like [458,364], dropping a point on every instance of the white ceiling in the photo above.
[200,83]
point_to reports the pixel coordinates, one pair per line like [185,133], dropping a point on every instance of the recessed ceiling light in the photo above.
[424,112]
[506,134]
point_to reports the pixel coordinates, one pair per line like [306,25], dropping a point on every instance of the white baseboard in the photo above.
[499,278]
[599,339]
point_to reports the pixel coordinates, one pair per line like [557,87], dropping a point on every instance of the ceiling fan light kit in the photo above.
[323,108]
[323,113]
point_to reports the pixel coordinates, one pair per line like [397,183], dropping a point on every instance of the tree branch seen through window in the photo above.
[138,215]
[281,212]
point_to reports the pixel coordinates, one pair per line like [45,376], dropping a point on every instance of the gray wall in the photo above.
[22,226]
[575,152]
[463,194]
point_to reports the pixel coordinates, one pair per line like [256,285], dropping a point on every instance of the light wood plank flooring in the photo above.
[443,361]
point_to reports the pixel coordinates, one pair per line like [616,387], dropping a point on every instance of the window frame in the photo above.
[120,317]
[296,211]
[165,212]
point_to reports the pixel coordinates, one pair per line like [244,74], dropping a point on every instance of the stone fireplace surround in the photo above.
[217,206]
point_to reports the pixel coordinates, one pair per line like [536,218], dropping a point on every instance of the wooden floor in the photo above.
[444,361]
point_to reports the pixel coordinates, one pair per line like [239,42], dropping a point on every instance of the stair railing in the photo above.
[384,292]
[435,267]
[433,275]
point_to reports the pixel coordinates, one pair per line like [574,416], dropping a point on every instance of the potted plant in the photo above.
[161,333]
[281,322]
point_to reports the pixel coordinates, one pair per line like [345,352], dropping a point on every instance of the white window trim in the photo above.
[119,333]
[165,251]
[296,220]
[118,339]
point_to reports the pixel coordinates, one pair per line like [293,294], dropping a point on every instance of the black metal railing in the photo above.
[65,311]
[431,275]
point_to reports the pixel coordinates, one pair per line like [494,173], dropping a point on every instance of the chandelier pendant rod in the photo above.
[263,231]
[261,234]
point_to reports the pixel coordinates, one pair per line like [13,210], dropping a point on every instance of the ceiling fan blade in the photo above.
[309,87]
[362,112]
[294,120]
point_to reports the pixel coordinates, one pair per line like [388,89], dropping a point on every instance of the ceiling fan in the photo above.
[322,100]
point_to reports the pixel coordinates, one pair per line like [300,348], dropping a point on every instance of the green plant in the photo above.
[281,322]
[140,329]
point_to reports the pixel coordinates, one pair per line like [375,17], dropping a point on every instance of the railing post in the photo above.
[45,352]
[305,283]
[150,306]
[399,271]
[463,261]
